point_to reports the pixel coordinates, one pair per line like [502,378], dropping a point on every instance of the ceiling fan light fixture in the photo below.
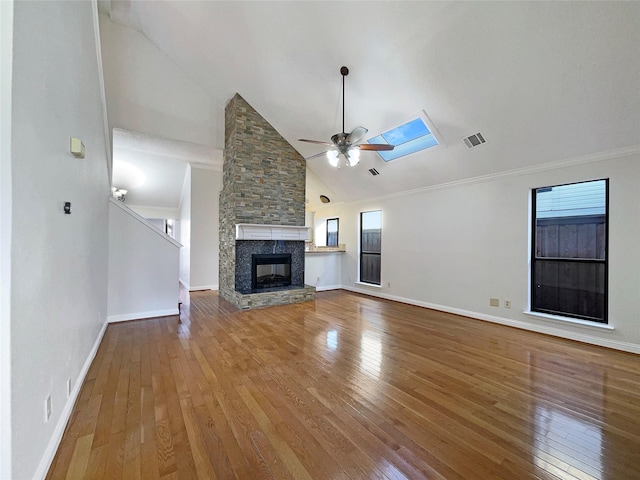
[332,156]
[346,144]
[353,156]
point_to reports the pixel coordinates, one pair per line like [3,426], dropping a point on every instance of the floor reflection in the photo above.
[567,444]
[371,353]
[332,340]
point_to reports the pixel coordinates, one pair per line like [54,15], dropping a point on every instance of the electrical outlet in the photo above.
[494,302]
[507,304]
[47,409]
[68,387]
[388,284]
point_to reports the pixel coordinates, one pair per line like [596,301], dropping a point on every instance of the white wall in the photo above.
[309,221]
[156,222]
[143,267]
[323,270]
[154,212]
[320,224]
[185,231]
[59,262]
[6,57]
[205,191]
[453,247]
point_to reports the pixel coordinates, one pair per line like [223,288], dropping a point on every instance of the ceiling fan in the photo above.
[346,144]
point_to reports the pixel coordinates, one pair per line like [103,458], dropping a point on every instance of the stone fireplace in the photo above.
[263,187]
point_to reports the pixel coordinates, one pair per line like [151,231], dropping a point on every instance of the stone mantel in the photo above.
[255,231]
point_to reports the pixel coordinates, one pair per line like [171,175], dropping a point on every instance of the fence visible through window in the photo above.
[370,246]
[332,232]
[569,257]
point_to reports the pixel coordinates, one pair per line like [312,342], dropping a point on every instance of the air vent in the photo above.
[374,172]
[474,140]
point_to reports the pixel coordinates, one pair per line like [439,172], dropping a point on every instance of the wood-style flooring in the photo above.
[349,387]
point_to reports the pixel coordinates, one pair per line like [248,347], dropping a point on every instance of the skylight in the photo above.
[408,138]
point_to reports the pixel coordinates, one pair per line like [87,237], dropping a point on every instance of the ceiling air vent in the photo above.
[474,140]
[374,172]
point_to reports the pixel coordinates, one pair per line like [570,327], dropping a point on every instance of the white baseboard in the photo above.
[125,317]
[196,288]
[554,331]
[56,437]
[328,287]
[203,287]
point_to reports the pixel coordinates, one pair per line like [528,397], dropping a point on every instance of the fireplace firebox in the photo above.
[270,270]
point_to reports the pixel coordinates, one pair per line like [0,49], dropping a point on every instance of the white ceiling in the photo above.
[542,81]
[152,169]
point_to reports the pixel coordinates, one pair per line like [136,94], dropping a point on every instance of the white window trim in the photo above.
[574,321]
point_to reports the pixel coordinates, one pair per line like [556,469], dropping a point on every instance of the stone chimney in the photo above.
[263,183]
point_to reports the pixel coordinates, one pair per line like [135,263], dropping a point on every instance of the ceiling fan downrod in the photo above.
[344,71]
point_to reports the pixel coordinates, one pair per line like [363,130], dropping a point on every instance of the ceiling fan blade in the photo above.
[316,156]
[376,147]
[316,141]
[356,135]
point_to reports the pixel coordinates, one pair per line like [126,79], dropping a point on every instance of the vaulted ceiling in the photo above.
[542,81]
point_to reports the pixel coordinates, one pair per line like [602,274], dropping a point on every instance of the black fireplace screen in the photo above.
[270,270]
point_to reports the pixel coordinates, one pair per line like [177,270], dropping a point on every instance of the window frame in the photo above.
[534,259]
[337,231]
[362,252]
[390,156]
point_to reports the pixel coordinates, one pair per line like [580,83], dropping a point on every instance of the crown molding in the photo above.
[555,165]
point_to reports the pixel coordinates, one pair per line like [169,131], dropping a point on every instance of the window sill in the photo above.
[574,321]
[365,284]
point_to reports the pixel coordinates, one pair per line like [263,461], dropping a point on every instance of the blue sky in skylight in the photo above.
[408,138]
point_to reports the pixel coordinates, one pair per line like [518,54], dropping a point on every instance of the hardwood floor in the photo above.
[349,386]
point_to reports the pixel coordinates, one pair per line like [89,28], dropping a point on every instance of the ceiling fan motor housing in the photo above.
[340,139]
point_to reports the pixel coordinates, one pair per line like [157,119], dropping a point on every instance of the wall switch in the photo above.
[507,304]
[388,284]
[494,302]
[47,409]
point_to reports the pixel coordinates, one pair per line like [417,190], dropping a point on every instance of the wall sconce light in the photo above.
[119,193]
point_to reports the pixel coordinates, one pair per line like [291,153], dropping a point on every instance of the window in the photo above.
[570,250]
[332,232]
[370,241]
[408,138]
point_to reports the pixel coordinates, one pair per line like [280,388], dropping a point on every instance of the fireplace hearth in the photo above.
[270,271]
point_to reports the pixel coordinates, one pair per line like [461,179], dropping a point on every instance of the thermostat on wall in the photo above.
[77,147]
